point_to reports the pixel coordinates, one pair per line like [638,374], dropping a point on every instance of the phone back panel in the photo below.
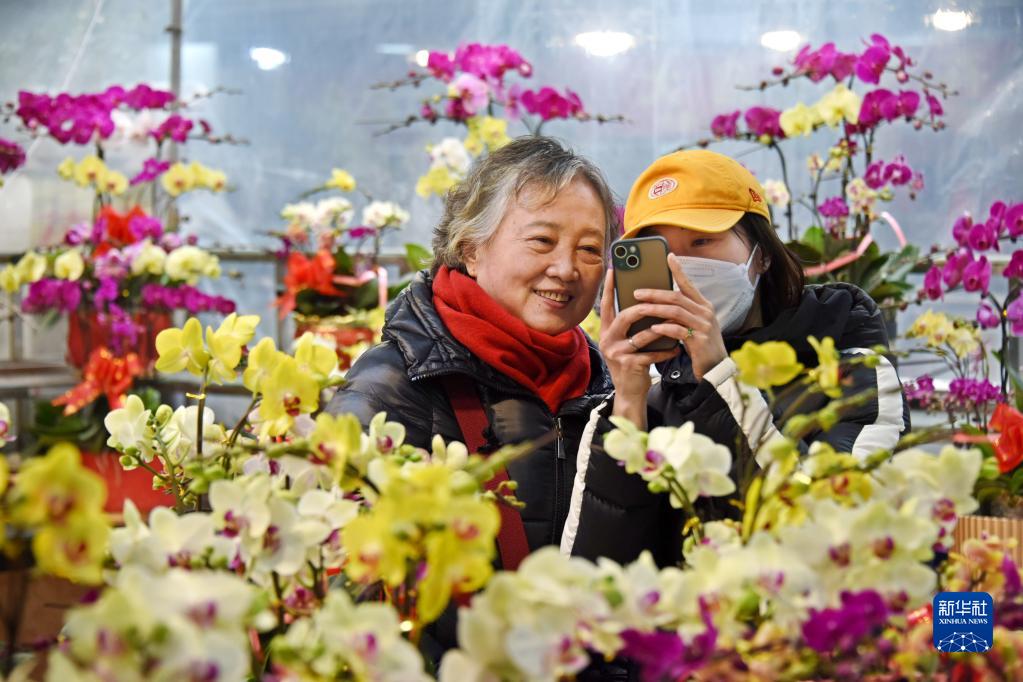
[651,272]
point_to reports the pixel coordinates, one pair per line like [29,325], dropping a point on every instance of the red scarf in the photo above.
[555,368]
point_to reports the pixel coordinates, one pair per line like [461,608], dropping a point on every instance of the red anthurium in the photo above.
[1009,446]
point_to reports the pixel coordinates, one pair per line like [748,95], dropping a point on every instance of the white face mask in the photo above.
[726,285]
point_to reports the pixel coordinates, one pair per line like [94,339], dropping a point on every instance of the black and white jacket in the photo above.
[613,514]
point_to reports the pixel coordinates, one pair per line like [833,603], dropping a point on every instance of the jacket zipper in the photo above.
[559,475]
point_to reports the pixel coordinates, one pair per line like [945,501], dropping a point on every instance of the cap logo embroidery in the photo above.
[662,187]
[754,195]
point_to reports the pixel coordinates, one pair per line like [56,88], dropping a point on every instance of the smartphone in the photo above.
[641,263]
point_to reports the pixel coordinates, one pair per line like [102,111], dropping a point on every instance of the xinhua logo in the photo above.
[963,621]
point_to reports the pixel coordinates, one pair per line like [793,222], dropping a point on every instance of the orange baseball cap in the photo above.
[696,189]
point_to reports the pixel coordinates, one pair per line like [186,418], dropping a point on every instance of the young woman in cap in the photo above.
[735,282]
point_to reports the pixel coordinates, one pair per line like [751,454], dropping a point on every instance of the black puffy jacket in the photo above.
[401,376]
[612,513]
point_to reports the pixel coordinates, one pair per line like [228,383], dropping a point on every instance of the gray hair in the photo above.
[474,208]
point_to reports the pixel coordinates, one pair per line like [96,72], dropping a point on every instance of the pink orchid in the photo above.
[1015,266]
[952,273]
[996,216]
[725,125]
[934,105]
[874,59]
[440,66]
[1014,312]
[428,113]
[490,62]
[961,229]
[13,156]
[983,236]
[549,104]
[472,92]
[823,62]
[151,170]
[898,172]
[175,127]
[764,121]
[932,283]
[1014,220]
[874,177]
[987,316]
[977,275]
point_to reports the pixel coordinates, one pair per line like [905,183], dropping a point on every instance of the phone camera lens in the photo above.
[632,261]
[620,251]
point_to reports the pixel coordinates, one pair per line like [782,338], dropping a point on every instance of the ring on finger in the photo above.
[689,333]
[633,344]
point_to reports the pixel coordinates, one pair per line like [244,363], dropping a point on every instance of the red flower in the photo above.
[1009,446]
[316,273]
[117,226]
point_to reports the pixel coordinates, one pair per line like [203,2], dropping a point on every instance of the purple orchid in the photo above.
[977,275]
[725,125]
[872,62]
[987,316]
[663,655]
[843,628]
[932,284]
[176,128]
[151,170]
[920,389]
[12,156]
[961,229]
[764,121]
[823,62]
[968,392]
[955,263]
[52,294]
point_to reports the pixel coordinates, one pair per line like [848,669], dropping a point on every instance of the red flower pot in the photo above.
[135,484]
[85,332]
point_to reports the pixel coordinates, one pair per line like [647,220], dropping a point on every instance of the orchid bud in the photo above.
[163,415]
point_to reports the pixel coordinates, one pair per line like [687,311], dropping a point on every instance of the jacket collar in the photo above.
[414,326]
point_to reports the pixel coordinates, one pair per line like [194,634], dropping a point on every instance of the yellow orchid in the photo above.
[261,361]
[66,169]
[178,179]
[964,340]
[182,349]
[74,550]
[31,267]
[438,180]
[376,551]
[9,279]
[826,373]
[287,393]
[335,440]
[799,120]
[112,182]
[341,179]
[841,104]
[150,259]
[216,181]
[766,364]
[69,265]
[486,131]
[315,357]
[225,345]
[89,170]
[51,488]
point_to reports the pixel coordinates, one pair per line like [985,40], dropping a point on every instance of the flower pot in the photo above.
[86,332]
[970,526]
[134,484]
[340,332]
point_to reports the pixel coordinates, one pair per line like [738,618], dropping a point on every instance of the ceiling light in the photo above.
[951,20]
[267,58]
[605,43]
[781,41]
[422,58]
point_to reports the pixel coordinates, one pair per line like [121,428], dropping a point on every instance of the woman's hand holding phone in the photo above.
[629,367]
[688,317]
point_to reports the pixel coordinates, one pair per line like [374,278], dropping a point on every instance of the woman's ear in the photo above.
[763,262]
[469,259]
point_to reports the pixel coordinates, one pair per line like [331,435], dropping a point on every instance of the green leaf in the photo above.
[806,254]
[417,256]
[814,238]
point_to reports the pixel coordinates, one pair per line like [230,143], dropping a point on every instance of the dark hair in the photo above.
[475,207]
[781,285]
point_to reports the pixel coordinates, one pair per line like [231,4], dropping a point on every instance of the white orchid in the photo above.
[381,214]
[129,428]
